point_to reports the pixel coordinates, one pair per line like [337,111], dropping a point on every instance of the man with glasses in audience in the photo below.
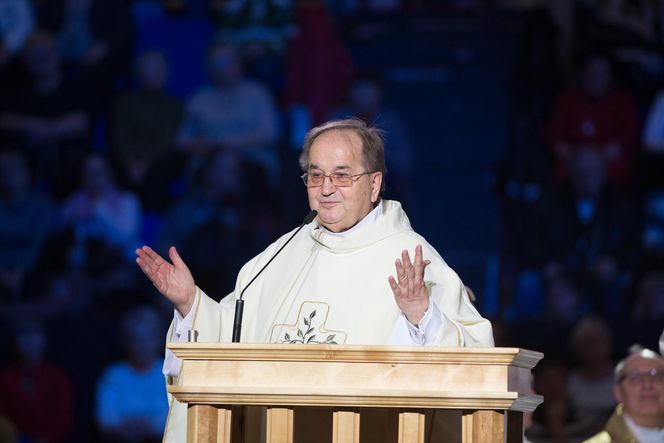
[639,390]
[358,275]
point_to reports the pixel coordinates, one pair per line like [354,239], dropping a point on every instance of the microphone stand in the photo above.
[239,303]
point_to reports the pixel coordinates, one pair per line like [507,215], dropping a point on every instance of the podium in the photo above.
[487,388]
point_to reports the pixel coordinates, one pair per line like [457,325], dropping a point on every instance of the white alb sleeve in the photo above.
[181,328]
[405,333]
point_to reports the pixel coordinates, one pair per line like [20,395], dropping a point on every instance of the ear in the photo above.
[617,393]
[376,183]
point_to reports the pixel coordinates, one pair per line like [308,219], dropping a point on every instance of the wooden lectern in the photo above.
[488,387]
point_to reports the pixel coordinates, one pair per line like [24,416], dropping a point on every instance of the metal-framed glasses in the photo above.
[636,377]
[313,179]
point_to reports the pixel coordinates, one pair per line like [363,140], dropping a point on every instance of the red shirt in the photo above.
[38,401]
[581,119]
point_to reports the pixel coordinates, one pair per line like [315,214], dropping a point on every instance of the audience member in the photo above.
[102,211]
[318,66]
[16,23]
[591,233]
[652,156]
[639,389]
[50,118]
[582,250]
[653,231]
[365,101]
[631,31]
[555,420]
[649,302]
[233,113]
[26,218]
[144,127]
[262,32]
[35,395]
[131,395]
[219,214]
[595,116]
[94,38]
[543,63]
[591,381]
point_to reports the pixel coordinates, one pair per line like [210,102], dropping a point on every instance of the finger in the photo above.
[151,255]
[418,266]
[394,286]
[175,257]
[401,273]
[407,264]
[410,271]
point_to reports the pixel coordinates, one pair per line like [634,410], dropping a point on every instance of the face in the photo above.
[593,345]
[224,173]
[42,60]
[596,76]
[365,97]
[643,399]
[96,174]
[152,71]
[225,66]
[143,342]
[341,208]
[31,344]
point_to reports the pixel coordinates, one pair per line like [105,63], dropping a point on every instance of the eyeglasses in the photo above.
[338,179]
[636,377]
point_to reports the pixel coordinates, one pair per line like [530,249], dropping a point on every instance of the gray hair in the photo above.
[636,351]
[373,146]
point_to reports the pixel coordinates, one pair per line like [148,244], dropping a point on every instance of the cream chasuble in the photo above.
[324,288]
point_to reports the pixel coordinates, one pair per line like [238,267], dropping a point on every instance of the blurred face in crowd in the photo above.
[225,66]
[14,175]
[152,71]
[143,342]
[340,208]
[592,342]
[96,174]
[223,174]
[640,388]
[596,76]
[30,343]
[365,97]
[42,59]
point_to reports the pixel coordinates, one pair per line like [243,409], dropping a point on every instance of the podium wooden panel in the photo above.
[491,386]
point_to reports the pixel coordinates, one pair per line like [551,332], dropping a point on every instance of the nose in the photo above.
[327,188]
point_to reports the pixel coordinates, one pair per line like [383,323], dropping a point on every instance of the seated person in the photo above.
[131,397]
[639,390]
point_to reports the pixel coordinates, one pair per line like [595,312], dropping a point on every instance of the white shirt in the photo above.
[643,434]
[404,333]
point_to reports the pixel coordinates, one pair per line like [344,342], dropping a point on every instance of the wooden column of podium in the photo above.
[488,387]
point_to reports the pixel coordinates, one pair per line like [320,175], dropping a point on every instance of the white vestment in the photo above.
[324,288]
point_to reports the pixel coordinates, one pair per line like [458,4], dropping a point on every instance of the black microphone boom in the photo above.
[239,303]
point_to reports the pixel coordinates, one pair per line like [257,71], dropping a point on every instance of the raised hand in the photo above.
[409,291]
[174,281]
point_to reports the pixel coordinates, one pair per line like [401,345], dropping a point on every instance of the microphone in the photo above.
[239,303]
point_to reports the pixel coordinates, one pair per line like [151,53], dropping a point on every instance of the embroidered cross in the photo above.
[309,327]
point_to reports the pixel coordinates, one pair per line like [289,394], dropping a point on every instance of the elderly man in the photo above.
[639,388]
[333,282]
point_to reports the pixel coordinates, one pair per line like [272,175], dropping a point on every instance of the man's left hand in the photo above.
[409,290]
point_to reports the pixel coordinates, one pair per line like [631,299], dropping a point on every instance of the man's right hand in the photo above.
[174,281]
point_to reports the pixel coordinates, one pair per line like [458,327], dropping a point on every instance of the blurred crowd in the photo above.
[178,122]
[582,194]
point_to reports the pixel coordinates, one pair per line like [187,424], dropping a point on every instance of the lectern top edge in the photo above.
[356,353]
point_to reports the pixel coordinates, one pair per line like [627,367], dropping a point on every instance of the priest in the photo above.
[358,274]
